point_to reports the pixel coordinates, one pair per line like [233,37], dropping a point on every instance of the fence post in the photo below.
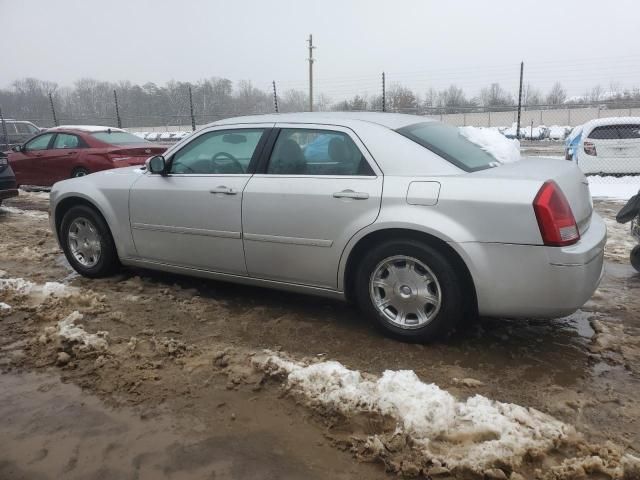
[275,97]
[4,131]
[193,118]
[384,97]
[115,99]
[519,101]
[53,110]
[489,118]
[568,116]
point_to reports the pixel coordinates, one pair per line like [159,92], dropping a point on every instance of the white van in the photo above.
[610,146]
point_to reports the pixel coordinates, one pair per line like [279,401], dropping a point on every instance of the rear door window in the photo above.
[66,140]
[300,151]
[25,129]
[606,132]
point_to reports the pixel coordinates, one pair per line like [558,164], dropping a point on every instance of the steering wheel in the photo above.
[234,161]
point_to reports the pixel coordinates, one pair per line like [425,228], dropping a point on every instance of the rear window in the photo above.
[607,132]
[117,138]
[447,142]
[629,131]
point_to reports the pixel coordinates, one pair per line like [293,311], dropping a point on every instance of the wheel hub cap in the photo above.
[84,242]
[405,291]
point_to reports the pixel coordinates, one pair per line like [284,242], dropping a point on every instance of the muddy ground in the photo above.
[173,393]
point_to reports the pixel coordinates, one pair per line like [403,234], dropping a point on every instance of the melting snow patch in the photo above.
[69,331]
[476,433]
[4,307]
[617,188]
[505,150]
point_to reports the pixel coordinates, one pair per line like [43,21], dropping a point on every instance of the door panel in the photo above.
[35,156]
[297,220]
[193,216]
[295,229]
[177,220]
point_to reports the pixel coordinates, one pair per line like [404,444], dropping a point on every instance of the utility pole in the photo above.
[384,98]
[520,100]
[275,97]
[193,118]
[115,99]
[4,131]
[53,110]
[311,47]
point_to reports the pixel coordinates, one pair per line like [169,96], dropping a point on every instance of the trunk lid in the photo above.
[567,175]
[134,154]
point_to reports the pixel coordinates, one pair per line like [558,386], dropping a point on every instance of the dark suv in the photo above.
[8,187]
[18,132]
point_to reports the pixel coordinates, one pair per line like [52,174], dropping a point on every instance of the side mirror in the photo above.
[17,148]
[156,164]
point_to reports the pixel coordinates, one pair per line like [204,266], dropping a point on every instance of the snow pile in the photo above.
[26,213]
[477,433]
[493,142]
[4,307]
[26,287]
[618,188]
[69,331]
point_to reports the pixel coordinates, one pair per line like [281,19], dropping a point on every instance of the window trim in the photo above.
[266,154]
[230,127]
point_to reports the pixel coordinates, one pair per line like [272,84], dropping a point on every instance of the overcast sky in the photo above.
[420,43]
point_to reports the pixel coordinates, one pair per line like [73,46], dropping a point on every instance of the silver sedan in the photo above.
[402,215]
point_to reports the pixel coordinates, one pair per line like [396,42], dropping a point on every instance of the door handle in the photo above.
[351,194]
[224,190]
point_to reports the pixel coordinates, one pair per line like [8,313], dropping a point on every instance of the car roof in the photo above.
[346,119]
[588,127]
[84,128]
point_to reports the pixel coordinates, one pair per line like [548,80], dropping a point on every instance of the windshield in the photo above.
[449,143]
[117,138]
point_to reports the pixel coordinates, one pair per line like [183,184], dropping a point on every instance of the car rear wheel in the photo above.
[79,172]
[635,257]
[87,243]
[410,290]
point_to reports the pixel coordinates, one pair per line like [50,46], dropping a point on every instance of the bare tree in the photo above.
[557,95]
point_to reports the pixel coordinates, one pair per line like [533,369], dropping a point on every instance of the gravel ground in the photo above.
[161,379]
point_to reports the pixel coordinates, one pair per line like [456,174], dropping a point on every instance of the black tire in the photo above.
[79,172]
[107,262]
[635,258]
[452,305]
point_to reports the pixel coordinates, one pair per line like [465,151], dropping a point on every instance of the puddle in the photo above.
[52,430]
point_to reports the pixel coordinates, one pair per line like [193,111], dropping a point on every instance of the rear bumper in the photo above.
[12,192]
[537,281]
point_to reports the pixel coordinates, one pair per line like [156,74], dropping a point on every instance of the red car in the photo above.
[75,151]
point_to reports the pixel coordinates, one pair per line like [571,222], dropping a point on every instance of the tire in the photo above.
[635,258]
[87,258]
[79,172]
[433,275]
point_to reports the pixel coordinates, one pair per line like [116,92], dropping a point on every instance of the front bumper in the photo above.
[537,281]
[11,192]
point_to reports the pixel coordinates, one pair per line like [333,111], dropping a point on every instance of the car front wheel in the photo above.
[87,242]
[410,290]
[635,257]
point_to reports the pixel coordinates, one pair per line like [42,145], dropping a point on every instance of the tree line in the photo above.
[90,101]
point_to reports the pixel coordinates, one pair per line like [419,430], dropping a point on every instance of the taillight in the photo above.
[567,154]
[555,218]
[590,148]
